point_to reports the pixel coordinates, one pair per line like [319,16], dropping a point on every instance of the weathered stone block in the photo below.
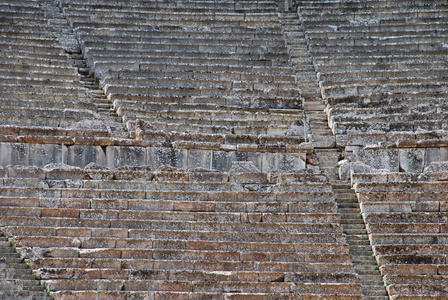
[24,172]
[120,156]
[303,176]
[82,155]
[246,172]
[169,173]
[62,171]
[198,158]
[283,161]
[134,173]
[97,172]
[412,160]
[379,158]
[205,175]
[159,156]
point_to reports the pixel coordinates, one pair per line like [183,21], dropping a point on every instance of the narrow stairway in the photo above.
[302,61]
[359,244]
[328,156]
[104,106]
[353,225]
[16,279]
[64,32]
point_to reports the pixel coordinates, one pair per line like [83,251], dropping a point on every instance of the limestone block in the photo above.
[29,154]
[85,127]
[344,169]
[436,167]
[432,155]
[157,137]
[223,160]
[134,173]
[379,158]
[361,168]
[206,175]
[97,172]
[94,141]
[24,172]
[302,176]
[411,160]
[170,173]
[280,139]
[198,158]
[159,156]
[246,172]
[56,171]
[422,134]
[196,137]
[425,206]
[402,177]
[247,147]
[82,155]
[241,139]
[443,153]
[283,161]
[46,139]
[119,156]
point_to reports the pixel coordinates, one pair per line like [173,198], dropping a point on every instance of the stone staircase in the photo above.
[348,208]
[302,60]
[69,41]
[16,278]
[359,245]
[104,106]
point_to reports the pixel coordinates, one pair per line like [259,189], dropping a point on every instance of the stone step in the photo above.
[314,105]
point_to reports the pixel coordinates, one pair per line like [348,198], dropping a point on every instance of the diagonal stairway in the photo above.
[16,279]
[68,39]
[352,223]
[359,244]
[328,156]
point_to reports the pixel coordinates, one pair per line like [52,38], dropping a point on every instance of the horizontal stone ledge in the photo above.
[15,130]
[108,141]
[165,173]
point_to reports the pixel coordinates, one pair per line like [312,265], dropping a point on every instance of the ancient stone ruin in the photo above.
[224,149]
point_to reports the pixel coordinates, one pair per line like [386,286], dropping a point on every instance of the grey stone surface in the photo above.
[97,172]
[246,172]
[120,155]
[380,158]
[206,175]
[56,171]
[25,172]
[82,155]
[411,160]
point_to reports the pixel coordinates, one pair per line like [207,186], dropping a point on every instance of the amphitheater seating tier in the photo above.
[183,233]
[39,86]
[216,91]
[180,53]
[406,219]
[376,55]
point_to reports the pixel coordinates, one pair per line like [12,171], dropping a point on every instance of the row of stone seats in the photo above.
[39,85]
[207,118]
[220,6]
[406,216]
[179,53]
[133,233]
[374,55]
